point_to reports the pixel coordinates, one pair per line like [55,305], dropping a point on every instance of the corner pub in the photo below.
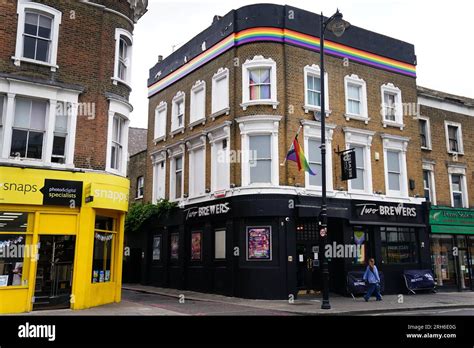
[249,228]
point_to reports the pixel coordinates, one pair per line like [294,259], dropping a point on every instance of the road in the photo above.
[433,312]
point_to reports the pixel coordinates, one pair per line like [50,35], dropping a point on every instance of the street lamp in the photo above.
[337,26]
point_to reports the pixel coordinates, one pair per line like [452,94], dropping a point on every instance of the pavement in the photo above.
[340,305]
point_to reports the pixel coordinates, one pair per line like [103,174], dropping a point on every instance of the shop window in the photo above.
[361,243]
[442,259]
[28,128]
[399,245]
[140,185]
[219,244]
[104,242]
[156,254]
[14,243]
[196,246]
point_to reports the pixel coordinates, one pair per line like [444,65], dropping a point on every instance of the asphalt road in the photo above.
[190,307]
[433,312]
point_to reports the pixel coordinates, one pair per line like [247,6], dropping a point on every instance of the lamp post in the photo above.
[337,26]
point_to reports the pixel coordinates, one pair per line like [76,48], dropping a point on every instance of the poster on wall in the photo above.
[174,246]
[196,246]
[259,243]
[156,248]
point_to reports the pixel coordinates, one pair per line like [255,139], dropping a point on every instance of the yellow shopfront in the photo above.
[61,238]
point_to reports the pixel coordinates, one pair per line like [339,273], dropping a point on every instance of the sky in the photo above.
[440,30]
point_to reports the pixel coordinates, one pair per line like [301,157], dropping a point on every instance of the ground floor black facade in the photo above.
[268,246]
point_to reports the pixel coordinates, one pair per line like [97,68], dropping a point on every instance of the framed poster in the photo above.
[174,246]
[196,246]
[259,243]
[156,248]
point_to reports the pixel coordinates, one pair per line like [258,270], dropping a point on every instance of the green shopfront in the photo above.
[452,247]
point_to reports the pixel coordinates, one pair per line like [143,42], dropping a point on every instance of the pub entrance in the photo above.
[307,256]
[54,272]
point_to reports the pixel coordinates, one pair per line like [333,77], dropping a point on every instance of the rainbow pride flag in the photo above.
[296,154]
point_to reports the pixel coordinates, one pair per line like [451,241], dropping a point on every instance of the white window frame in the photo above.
[428,132]
[361,138]
[160,134]
[458,170]
[397,144]
[175,128]
[459,137]
[15,88]
[142,181]
[158,160]
[312,131]
[194,144]
[315,71]
[23,6]
[392,89]
[216,136]
[123,109]
[178,150]
[259,125]
[429,167]
[199,86]
[119,32]
[222,73]
[258,62]
[356,80]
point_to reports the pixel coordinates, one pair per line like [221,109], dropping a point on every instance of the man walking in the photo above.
[371,276]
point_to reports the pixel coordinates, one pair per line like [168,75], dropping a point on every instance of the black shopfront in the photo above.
[268,246]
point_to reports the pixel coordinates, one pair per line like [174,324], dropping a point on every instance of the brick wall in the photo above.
[137,165]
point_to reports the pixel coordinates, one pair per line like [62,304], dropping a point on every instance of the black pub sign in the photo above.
[387,211]
[215,209]
[348,164]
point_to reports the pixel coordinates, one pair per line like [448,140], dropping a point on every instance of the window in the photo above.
[159,180]
[220,157]
[457,189]
[360,239]
[104,247]
[15,235]
[314,161]
[60,132]
[117,143]
[140,184]
[176,184]
[123,56]
[219,244]
[160,121]
[425,133]
[392,111]
[356,98]
[396,180]
[260,159]
[399,245]
[312,83]
[259,82]
[454,137]
[358,183]
[220,91]
[197,168]
[198,102]
[156,253]
[361,141]
[28,128]
[177,122]
[427,185]
[37,34]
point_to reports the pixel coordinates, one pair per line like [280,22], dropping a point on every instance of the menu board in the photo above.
[259,243]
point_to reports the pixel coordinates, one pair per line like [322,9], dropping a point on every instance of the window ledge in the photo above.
[36,163]
[456,153]
[357,118]
[246,104]
[177,131]
[137,198]
[393,124]
[17,61]
[308,108]
[214,115]
[116,81]
[426,148]
[157,140]
[197,123]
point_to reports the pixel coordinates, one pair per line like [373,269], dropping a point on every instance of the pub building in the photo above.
[64,115]
[224,110]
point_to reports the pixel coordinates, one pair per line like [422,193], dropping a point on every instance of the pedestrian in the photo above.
[371,276]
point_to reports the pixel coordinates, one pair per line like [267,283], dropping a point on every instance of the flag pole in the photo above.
[297,133]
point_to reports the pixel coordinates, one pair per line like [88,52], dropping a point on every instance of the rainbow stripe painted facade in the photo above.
[266,34]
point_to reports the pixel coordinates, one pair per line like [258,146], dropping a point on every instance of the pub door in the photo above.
[54,272]
[307,256]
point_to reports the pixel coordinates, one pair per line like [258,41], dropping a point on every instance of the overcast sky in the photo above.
[445,55]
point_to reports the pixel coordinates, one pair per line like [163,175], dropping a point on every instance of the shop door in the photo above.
[463,263]
[54,272]
[307,256]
